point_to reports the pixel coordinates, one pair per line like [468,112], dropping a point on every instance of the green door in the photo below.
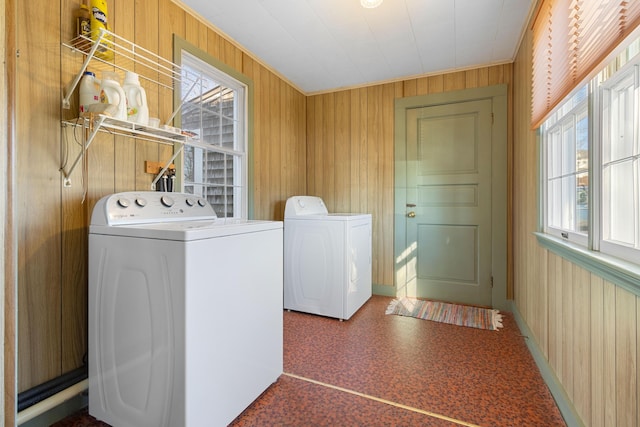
[449,201]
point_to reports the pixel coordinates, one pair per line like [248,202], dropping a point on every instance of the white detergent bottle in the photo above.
[137,108]
[112,93]
[89,91]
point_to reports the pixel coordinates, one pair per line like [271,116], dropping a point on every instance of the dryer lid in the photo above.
[298,206]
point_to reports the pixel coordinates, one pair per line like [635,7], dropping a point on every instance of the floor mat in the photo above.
[455,314]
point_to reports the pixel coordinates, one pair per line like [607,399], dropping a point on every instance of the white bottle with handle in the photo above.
[137,108]
[89,91]
[112,93]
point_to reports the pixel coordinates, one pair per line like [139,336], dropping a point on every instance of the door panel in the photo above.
[449,182]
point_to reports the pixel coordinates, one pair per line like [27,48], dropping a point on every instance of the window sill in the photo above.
[619,272]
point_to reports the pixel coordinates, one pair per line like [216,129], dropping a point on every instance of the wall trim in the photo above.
[617,271]
[563,401]
[56,407]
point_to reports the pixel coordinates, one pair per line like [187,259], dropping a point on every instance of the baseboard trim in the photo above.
[563,401]
[56,407]
[384,290]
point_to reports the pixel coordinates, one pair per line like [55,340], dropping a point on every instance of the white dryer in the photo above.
[327,259]
[185,311]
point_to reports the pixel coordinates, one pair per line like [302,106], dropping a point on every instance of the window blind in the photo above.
[571,38]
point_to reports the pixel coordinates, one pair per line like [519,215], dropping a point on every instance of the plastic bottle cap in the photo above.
[89,73]
[131,78]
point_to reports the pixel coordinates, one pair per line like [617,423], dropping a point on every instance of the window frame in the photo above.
[179,46]
[566,117]
[630,71]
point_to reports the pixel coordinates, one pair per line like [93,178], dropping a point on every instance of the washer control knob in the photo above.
[190,201]
[141,202]
[123,203]
[301,203]
[166,201]
[202,202]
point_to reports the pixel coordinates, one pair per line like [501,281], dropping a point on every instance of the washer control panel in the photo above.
[304,205]
[136,207]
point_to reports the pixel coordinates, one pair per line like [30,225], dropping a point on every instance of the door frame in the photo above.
[498,95]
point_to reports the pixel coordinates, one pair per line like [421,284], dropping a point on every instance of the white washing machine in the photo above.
[185,311]
[327,259]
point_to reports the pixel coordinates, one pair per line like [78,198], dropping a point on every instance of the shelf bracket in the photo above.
[166,166]
[68,90]
[94,127]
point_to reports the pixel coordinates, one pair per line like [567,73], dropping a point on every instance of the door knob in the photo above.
[411,214]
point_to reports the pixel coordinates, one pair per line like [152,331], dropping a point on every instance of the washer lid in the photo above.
[184,231]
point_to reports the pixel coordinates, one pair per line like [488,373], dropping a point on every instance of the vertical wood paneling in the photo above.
[374,145]
[74,219]
[410,87]
[275,146]
[626,359]
[38,212]
[268,146]
[342,202]
[566,374]
[354,142]
[435,84]
[122,154]
[172,21]
[597,352]
[194,30]
[391,92]
[292,151]
[610,416]
[8,309]
[581,343]
[327,147]
[146,36]
[233,57]
[454,81]
[555,313]
[541,309]
[363,151]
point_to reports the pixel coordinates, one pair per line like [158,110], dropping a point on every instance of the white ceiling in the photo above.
[323,45]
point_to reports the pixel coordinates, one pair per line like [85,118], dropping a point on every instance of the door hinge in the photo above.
[492,281]
[492,118]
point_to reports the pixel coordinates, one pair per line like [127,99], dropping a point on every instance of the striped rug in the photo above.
[455,314]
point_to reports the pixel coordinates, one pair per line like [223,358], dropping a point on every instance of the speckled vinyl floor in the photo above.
[385,370]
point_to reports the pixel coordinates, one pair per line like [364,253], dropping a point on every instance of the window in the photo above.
[620,163]
[214,104]
[602,117]
[567,173]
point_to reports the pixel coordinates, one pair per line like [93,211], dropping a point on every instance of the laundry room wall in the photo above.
[350,146]
[52,219]
[586,328]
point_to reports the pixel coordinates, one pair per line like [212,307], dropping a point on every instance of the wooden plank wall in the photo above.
[350,146]
[588,328]
[53,220]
